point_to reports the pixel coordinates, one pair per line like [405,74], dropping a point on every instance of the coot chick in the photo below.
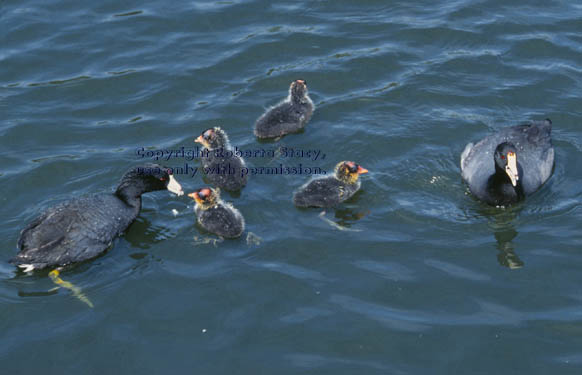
[215,215]
[289,116]
[523,158]
[82,228]
[221,165]
[332,190]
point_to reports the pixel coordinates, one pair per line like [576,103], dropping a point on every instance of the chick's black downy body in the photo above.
[332,190]
[289,116]
[217,216]
[221,166]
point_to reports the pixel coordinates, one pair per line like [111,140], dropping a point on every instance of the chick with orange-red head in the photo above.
[332,190]
[215,215]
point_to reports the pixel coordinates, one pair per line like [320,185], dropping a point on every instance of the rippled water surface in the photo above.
[411,276]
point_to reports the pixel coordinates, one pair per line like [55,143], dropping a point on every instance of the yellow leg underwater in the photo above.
[54,275]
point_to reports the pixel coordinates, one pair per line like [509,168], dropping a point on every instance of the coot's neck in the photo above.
[298,98]
[350,181]
[502,190]
[130,191]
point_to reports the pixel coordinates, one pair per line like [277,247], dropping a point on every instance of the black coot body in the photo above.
[82,228]
[289,116]
[485,166]
[331,191]
[217,216]
[221,166]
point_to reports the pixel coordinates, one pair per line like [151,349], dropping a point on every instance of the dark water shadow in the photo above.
[506,256]
[500,221]
[277,139]
[143,233]
[348,216]
[232,194]
[50,292]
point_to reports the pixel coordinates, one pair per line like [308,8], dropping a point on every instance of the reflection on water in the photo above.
[346,217]
[49,292]
[504,233]
[143,233]
[506,256]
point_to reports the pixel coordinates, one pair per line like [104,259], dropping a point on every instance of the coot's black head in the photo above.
[348,171]
[205,197]
[298,90]
[506,161]
[213,138]
[146,178]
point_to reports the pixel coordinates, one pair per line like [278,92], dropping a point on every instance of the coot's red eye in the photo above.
[502,156]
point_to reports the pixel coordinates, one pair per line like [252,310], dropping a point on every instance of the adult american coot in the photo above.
[506,166]
[215,215]
[332,190]
[289,116]
[82,228]
[221,165]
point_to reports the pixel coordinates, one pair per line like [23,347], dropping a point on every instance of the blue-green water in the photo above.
[426,281]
